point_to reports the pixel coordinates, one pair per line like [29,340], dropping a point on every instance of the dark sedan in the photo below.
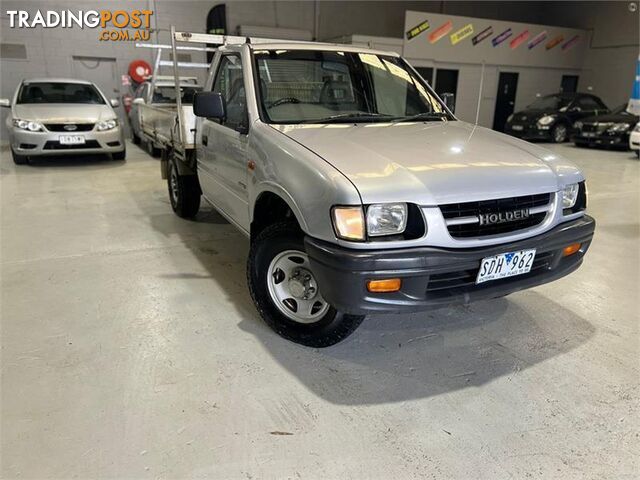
[551,118]
[610,130]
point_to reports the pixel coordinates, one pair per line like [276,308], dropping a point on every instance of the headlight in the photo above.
[348,223]
[386,219]
[570,195]
[577,125]
[509,118]
[106,125]
[27,125]
[637,127]
[618,127]
[547,120]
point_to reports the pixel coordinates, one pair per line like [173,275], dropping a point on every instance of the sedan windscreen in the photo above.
[58,92]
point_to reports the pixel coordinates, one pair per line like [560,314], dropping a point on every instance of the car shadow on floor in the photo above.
[391,358]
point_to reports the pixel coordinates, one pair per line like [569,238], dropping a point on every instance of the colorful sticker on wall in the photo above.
[519,40]
[417,30]
[554,42]
[440,32]
[486,33]
[538,39]
[502,37]
[461,34]
[570,43]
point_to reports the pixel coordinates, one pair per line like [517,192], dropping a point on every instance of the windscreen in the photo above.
[311,86]
[550,102]
[58,92]
[167,94]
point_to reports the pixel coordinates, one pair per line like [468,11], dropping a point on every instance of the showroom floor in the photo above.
[131,348]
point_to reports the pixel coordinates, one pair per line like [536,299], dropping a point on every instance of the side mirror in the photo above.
[209,105]
[5,102]
[115,103]
[449,100]
[138,101]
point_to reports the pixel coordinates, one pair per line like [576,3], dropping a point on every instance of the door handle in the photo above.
[205,140]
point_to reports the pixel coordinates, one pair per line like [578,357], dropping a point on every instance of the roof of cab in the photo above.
[55,80]
[332,47]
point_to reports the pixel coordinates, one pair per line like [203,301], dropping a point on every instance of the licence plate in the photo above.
[518,128]
[71,139]
[588,134]
[505,265]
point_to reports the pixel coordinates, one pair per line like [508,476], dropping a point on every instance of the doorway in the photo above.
[447,82]
[505,99]
[569,84]
[426,73]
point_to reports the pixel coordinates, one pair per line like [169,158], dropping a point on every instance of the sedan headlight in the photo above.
[28,125]
[107,125]
[546,120]
[386,219]
[577,125]
[618,127]
[570,195]
[348,223]
[637,127]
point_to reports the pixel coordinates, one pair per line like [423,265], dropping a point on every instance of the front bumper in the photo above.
[437,277]
[48,143]
[618,140]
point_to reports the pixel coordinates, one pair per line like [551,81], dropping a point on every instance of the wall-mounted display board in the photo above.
[449,38]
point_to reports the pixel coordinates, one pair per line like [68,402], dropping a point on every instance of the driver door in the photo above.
[223,164]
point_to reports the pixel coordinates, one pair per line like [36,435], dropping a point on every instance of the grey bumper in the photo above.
[438,277]
[47,143]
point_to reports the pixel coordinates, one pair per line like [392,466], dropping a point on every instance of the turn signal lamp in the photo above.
[384,286]
[571,249]
[349,222]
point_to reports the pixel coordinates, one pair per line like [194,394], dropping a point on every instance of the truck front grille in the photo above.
[456,282]
[463,219]
[60,127]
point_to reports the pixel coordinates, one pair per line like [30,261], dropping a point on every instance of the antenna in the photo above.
[480,92]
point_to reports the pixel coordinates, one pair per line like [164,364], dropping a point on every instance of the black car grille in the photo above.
[456,282]
[60,127]
[502,205]
[54,145]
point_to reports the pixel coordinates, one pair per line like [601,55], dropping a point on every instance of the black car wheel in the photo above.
[184,192]
[559,133]
[19,159]
[286,294]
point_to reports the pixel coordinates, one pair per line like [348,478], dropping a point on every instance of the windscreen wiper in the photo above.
[423,116]
[347,117]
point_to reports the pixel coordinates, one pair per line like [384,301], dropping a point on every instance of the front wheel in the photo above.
[559,133]
[19,159]
[184,192]
[286,293]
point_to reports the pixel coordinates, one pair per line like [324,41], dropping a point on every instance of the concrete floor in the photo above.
[131,348]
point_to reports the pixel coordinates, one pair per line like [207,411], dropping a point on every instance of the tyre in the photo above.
[119,155]
[286,293]
[184,192]
[19,159]
[559,133]
[135,139]
[153,151]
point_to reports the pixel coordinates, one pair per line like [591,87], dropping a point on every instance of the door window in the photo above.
[587,104]
[230,83]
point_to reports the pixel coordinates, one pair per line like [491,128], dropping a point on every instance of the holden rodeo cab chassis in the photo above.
[362,193]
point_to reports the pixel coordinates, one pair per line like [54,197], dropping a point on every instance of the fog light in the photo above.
[571,249]
[384,286]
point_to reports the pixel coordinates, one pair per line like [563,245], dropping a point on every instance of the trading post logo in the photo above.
[114,25]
